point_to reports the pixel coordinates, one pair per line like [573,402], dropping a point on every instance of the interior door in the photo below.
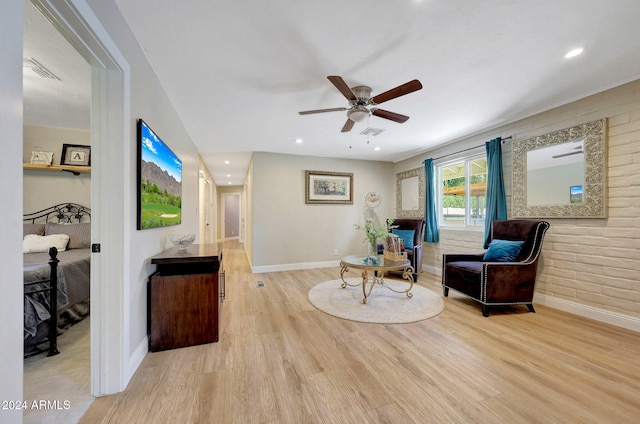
[231,215]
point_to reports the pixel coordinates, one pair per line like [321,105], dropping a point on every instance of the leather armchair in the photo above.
[414,251]
[498,283]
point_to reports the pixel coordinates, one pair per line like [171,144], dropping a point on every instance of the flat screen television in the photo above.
[159,181]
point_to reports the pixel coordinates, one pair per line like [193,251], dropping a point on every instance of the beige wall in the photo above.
[589,266]
[287,233]
[47,188]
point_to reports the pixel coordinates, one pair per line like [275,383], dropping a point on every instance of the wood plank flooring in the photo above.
[64,380]
[280,360]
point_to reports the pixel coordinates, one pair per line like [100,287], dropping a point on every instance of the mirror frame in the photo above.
[595,173]
[419,213]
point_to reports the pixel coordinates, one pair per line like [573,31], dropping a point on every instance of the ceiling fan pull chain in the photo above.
[368,117]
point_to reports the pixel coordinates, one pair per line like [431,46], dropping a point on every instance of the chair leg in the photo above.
[445,291]
[485,311]
[530,306]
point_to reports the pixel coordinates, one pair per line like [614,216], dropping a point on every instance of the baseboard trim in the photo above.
[431,269]
[601,315]
[293,267]
[138,355]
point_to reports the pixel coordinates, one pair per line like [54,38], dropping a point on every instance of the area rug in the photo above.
[383,305]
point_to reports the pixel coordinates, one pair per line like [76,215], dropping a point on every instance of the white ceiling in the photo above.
[238,72]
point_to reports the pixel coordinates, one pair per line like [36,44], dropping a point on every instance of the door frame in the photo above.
[110,132]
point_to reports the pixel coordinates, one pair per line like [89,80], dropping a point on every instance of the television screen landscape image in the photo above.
[575,194]
[159,181]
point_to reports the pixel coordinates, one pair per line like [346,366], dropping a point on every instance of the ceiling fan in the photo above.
[360,97]
[576,151]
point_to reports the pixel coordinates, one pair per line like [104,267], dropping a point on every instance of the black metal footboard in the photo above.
[51,287]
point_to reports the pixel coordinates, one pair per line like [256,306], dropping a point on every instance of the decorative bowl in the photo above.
[182,241]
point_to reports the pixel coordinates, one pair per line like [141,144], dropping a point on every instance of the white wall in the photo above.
[146,99]
[11,301]
[149,102]
[289,234]
[46,188]
[589,266]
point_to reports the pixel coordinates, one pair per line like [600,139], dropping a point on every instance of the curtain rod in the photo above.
[470,148]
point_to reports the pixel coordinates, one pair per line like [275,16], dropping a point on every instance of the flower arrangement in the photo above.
[374,233]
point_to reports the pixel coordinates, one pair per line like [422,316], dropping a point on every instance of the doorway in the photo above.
[110,119]
[206,209]
[49,120]
[231,218]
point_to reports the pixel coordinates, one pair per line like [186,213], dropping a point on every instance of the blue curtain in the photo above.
[496,207]
[431,228]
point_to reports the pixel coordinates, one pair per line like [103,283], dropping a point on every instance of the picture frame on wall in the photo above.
[325,187]
[75,155]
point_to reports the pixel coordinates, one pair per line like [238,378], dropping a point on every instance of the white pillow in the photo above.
[33,243]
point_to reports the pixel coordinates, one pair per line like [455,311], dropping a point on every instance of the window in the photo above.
[462,192]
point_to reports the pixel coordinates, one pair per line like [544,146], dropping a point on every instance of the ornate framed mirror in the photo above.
[410,186]
[562,174]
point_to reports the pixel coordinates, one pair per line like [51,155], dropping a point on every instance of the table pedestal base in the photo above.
[377,278]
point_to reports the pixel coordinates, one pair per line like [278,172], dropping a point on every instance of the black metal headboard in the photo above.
[65,213]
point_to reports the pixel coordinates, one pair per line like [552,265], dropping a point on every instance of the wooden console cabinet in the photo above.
[184,296]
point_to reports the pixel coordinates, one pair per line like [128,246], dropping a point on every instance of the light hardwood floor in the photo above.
[63,381]
[279,360]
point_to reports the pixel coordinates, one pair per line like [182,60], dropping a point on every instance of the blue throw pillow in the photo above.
[503,251]
[406,235]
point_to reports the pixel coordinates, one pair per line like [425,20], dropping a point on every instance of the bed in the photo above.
[57,243]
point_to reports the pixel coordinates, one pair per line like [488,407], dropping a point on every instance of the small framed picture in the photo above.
[41,158]
[75,154]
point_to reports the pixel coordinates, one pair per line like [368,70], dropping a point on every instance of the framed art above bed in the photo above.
[75,154]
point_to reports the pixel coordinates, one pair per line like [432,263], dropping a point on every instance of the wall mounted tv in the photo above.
[159,181]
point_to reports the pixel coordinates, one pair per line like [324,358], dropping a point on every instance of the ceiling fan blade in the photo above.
[567,154]
[392,116]
[401,90]
[343,87]
[335,109]
[348,125]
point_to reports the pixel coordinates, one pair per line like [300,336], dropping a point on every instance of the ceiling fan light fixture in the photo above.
[358,114]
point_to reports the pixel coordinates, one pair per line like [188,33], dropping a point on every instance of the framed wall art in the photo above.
[322,187]
[75,155]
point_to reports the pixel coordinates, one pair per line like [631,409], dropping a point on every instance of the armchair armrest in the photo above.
[510,281]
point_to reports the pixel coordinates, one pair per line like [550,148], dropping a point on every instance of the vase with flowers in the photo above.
[374,233]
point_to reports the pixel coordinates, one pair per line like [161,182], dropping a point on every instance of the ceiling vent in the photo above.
[372,131]
[38,68]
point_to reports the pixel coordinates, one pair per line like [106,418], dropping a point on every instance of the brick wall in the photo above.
[588,266]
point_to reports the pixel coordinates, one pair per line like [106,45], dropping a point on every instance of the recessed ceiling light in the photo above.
[229,183]
[227,162]
[376,148]
[228,175]
[299,140]
[574,53]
